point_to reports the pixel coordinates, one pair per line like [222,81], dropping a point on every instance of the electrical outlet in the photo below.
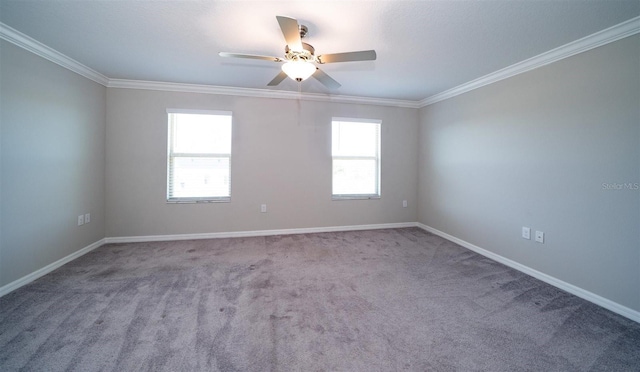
[87,217]
[526,233]
[404,204]
[263,208]
[81,220]
[540,237]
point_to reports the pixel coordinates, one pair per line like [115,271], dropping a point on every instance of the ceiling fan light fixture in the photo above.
[300,59]
[299,70]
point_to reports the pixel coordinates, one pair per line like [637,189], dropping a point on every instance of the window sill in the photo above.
[355,197]
[198,201]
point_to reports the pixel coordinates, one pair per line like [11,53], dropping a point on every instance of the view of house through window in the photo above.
[199,156]
[355,149]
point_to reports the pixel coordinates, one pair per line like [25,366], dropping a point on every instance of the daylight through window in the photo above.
[199,159]
[355,149]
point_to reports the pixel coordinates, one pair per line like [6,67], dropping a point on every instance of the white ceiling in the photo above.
[423,47]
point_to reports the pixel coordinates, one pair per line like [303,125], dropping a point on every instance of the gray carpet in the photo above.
[383,300]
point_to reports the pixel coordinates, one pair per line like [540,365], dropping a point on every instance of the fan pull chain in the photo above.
[299,98]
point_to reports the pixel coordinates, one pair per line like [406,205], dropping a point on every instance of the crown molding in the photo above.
[253,92]
[606,36]
[609,35]
[23,41]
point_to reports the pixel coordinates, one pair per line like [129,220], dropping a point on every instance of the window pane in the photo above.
[351,177]
[354,138]
[200,177]
[355,147]
[197,133]
[199,156]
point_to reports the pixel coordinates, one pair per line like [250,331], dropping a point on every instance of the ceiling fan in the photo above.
[300,58]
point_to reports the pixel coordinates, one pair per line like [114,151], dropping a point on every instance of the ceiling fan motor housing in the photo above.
[307,54]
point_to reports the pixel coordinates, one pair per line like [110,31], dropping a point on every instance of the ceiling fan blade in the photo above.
[278,79]
[365,55]
[291,32]
[325,79]
[250,56]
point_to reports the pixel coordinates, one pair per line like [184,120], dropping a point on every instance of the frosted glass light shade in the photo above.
[298,70]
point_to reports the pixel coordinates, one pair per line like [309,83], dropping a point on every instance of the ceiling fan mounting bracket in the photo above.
[303,31]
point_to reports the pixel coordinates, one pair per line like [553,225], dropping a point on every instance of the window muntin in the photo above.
[355,150]
[199,156]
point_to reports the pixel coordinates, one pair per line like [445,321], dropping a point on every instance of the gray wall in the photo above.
[52,162]
[281,157]
[534,150]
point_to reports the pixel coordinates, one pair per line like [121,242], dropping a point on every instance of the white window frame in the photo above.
[377,158]
[171,155]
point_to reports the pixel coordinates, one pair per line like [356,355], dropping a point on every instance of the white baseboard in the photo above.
[244,234]
[150,238]
[47,269]
[584,294]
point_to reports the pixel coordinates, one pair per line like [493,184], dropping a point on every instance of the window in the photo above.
[355,149]
[199,156]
